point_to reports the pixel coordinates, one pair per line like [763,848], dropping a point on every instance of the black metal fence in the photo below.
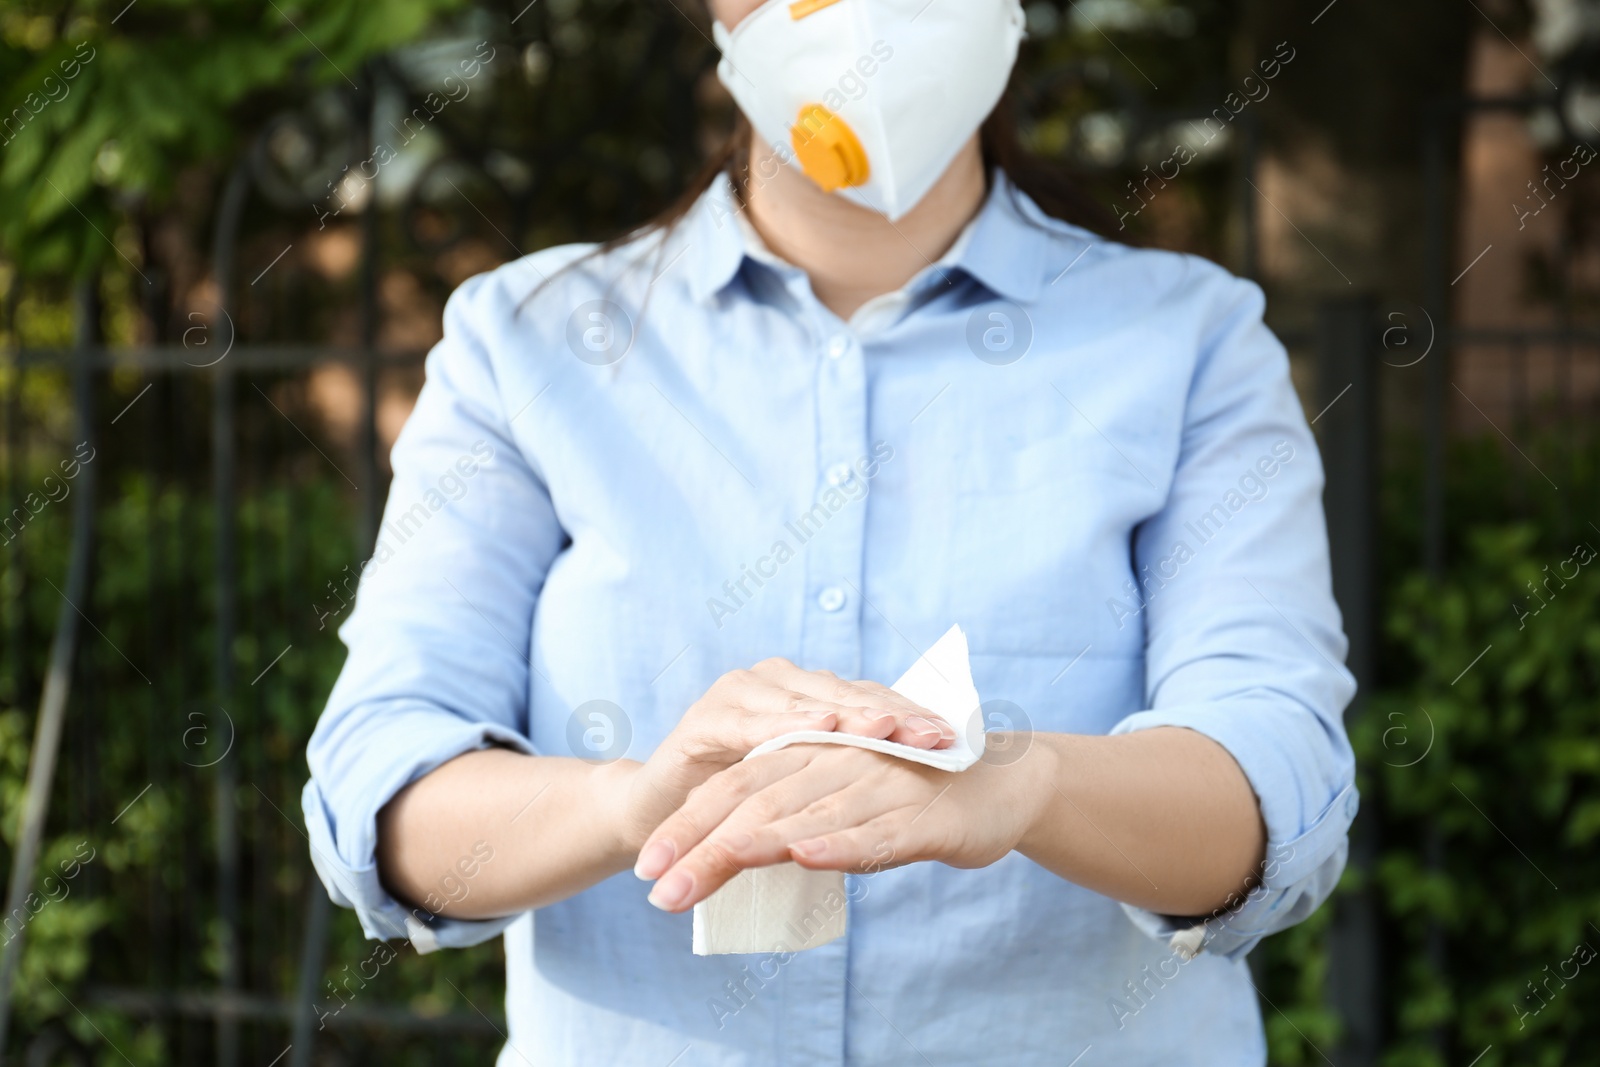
[211,530]
[205,554]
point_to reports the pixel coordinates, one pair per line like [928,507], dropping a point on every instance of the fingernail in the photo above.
[874,715]
[923,727]
[672,890]
[811,849]
[654,860]
[820,716]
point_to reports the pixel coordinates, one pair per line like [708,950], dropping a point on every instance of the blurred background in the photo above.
[227,232]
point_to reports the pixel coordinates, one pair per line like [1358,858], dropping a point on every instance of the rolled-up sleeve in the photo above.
[1243,639]
[439,634]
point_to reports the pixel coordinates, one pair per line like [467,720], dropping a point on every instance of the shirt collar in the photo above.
[715,246]
[1003,247]
[1010,239]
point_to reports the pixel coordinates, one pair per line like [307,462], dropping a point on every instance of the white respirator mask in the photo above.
[872,99]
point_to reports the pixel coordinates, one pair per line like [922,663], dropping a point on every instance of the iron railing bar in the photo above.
[371,499]
[58,680]
[224,469]
[190,942]
[1245,192]
[1446,337]
[1576,335]
[255,1008]
[1437,304]
[318,904]
[1472,104]
[1436,301]
[313,951]
[178,358]
[160,696]
[17,622]
[1349,440]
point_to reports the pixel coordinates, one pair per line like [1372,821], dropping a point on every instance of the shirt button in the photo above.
[840,473]
[838,347]
[831,598]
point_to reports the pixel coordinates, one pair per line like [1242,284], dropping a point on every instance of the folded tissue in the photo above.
[786,908]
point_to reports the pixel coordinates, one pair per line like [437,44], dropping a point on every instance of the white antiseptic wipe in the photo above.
[786,908]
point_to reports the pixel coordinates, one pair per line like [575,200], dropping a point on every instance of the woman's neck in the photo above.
[852,253]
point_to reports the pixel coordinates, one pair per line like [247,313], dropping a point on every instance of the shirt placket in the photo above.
[833,550]
[832,634]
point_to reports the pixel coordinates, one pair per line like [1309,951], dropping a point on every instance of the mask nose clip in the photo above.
[829,151]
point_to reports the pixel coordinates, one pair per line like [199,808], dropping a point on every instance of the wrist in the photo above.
[612,786]
[1039,769]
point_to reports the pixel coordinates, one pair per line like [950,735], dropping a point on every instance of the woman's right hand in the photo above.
[746,708]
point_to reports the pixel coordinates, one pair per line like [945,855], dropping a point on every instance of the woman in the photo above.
[860,387]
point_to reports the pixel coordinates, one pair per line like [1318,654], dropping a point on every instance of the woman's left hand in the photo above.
[830,807]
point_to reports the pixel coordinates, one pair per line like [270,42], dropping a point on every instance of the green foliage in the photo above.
[1294,1011]
[101,166]
[141,912]
[1479,766]
[1508,795]
[103,117]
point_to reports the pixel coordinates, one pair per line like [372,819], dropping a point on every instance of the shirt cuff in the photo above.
[351,873]
[1304,860]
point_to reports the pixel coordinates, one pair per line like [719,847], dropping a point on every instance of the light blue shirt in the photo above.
[1089,456]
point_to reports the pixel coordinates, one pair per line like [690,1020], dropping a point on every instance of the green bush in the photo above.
[1509,791]
[1479,763]
[142,911]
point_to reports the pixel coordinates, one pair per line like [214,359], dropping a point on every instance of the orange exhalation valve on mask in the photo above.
[829,151]
[876,101]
